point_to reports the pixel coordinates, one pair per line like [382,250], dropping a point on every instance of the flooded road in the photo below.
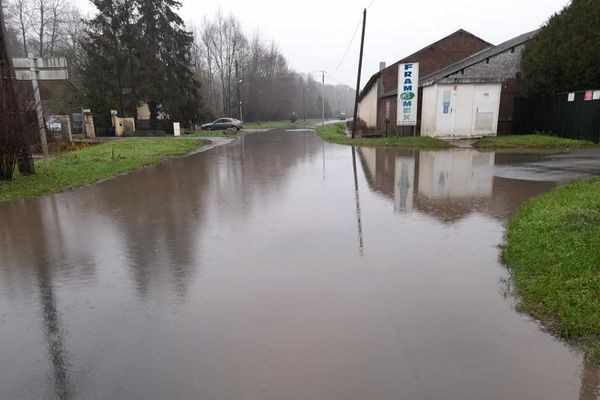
[265,269]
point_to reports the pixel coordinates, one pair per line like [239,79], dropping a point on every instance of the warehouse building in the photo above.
[377,106]
[480,63]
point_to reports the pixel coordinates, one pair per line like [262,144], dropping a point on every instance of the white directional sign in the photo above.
[40,63]
[41,69]
[47,69]
[42,75]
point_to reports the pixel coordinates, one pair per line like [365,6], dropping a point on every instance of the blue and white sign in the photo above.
[408,94]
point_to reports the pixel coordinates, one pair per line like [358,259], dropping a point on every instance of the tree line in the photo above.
[564,55]
[136,52]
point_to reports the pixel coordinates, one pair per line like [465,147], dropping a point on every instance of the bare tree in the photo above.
[18,17]
[40,23]
[224,43]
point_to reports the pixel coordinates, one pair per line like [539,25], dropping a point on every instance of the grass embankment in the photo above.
[336,133]
[552,250]
[93,164]
[530,142]
[281,124]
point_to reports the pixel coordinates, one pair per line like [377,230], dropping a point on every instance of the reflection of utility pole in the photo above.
[304,101]
[54,335]
[362,44]
[239,83]
[357,200]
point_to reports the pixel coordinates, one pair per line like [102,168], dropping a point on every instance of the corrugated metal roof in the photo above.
[479,57]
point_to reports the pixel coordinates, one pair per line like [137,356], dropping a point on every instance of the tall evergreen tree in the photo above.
[110,52]
[139,51]
[564,55]
[167,82]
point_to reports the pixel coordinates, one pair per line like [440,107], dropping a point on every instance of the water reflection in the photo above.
[361,245]
[234,274]
[55,337]
[448,185]
[38,251]
[404,186]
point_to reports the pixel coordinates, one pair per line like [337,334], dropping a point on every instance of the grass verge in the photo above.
[93,164]
[335,133]
[552,251]
[530,142]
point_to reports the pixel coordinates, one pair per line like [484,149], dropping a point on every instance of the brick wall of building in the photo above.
[449,50]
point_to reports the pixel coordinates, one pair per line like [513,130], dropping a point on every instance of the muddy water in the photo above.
[264,269]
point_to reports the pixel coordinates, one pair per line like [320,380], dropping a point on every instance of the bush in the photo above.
[361,128]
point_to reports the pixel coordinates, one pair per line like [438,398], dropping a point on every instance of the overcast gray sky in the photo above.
[314,34]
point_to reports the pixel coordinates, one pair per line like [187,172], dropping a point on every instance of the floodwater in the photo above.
[266,269]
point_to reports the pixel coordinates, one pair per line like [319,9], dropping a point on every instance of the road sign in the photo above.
[41,69]
[47,69]
[42,75]
[40,63]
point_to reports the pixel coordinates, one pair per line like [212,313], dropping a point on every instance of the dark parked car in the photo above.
[224,123]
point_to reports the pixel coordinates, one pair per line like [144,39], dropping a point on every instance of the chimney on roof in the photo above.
[382,65]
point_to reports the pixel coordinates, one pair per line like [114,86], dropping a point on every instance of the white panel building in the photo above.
[460,108]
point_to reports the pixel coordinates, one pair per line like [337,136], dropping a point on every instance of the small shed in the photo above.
[460,108]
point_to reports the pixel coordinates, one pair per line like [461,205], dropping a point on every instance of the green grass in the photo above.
[336,134]
[281,124]
[215,134]
[552,249]
[530,142]
[93,164]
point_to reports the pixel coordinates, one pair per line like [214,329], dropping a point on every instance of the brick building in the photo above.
[460,55]
[378,102]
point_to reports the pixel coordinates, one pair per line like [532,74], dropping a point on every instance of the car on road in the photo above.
[224,123]
[53,124]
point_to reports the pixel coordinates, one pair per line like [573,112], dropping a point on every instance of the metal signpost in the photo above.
[40,69]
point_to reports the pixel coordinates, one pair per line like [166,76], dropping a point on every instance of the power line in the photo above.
[348,48]
[351,40]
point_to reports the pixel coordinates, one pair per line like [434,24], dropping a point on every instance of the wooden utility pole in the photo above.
[40,113]
[323,98]
[360,59]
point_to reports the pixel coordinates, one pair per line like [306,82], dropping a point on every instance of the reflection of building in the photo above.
[455,174]
[448,185]
[404,184]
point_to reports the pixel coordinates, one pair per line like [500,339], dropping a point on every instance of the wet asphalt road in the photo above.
[266,269]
